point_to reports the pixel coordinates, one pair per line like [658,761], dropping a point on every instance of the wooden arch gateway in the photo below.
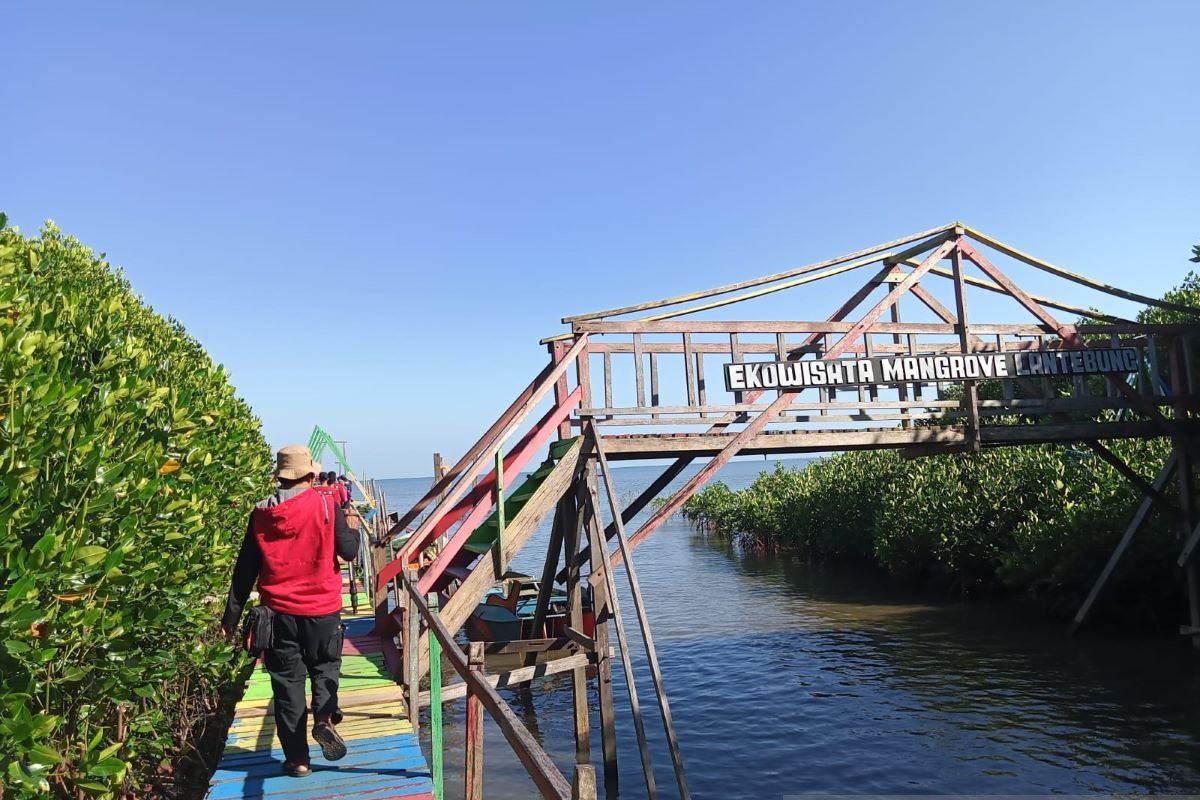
[658,380]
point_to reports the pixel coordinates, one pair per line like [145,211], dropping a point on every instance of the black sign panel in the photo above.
[928,368]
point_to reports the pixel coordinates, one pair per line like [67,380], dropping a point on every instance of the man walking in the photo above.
[292,543]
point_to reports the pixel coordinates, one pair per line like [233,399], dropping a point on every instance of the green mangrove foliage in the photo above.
[1038,519]
[127,466]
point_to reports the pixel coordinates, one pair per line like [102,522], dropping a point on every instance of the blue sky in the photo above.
[371,212]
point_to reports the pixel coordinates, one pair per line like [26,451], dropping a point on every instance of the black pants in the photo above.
[304,648]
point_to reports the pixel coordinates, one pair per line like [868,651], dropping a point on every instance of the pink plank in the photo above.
[521,455]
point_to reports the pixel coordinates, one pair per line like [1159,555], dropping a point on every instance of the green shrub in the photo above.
[128,466]
[1040,519]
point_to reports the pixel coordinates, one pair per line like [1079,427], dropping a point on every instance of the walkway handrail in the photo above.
[443,483]
[482,457]
[546,776]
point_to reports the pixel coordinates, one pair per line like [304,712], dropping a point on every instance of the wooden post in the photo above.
[1139,517]
[583,782]
[602,610]
[412,643]
[498,548]
[640,609]
[1187,499]
[600,551]
[553,551]
[970,393]
[435,705]
[473,769]
[574,518]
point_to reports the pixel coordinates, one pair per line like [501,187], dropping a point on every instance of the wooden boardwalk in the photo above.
[384,759]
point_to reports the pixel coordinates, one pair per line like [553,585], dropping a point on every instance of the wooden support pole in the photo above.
[638,370]
[1187,486]
[1139,517]
[501,565]
[546,776]
[1187,518]
[553,551]
[412,642]
[633,509]
[435,705]
[473,768]
[639,608]
[583,782]
[771,412]
[574,519]
[602,609]
[610,591]
[970,393]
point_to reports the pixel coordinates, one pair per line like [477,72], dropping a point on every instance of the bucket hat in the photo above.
[294,462]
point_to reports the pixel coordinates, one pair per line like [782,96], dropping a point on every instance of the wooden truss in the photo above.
[917,417]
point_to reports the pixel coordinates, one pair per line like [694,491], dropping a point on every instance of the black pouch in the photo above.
[258,632]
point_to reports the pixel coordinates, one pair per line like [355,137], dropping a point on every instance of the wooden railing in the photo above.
[670,373]
[480,694]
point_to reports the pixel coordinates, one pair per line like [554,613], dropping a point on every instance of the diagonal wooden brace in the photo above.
[772,411]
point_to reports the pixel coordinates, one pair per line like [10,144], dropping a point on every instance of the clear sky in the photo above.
[371,211]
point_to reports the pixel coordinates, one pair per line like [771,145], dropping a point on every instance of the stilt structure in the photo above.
[859,379]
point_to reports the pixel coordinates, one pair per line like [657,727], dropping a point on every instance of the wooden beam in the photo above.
[546,776]
[603,613]
[515,416]
[442,484]
[1083,280]
[779,287]
[503,476]
[482,577]
[1070,335]
[515,677]
[1139,517]
[473,751]
[639,608]
[600,564]
[770,413]
[1117,463]
[765,279]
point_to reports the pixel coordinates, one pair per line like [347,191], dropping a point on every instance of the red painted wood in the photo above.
[493,440]
[483,490]
[471,455]
[520,457]
[772,411]
[1069,336]
[480,501]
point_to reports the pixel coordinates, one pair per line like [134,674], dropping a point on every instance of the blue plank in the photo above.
[386,766]
[271,767]
[390,746]
[395,781]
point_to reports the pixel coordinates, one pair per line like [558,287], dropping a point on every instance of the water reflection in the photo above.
[787,677]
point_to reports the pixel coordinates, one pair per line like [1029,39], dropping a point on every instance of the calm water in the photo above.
[789,678]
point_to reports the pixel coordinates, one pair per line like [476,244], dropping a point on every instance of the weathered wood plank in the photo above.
[765,279]
[546,776]
[482,577]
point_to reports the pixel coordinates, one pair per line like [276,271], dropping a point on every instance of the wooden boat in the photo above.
[506,612]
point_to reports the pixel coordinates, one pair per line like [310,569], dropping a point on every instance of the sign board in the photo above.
[928,368]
